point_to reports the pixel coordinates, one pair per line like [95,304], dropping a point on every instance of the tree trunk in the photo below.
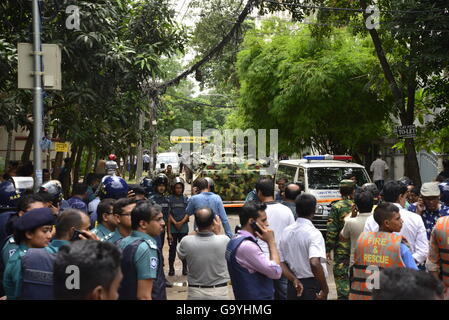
[125,166]
[76,169]
[58,163]
[406,115]
[90,156]
[8,149]
[97,157]
[407,118]
[132,173]
[67,177]
[28,146]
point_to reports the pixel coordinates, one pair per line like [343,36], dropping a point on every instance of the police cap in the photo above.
[35,218]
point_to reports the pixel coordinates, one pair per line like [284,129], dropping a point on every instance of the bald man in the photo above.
[204,253]
[292,191]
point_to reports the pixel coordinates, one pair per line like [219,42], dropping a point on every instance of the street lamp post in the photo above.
[37,101]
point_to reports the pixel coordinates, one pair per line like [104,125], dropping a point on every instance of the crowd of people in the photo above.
[107,240]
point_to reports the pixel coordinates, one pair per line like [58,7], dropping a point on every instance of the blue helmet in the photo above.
[147,184]
[9,196]
[113,187]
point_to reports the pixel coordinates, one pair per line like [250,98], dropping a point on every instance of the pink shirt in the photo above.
[250,256]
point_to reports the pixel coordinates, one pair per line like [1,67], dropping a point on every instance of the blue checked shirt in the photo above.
[430,218]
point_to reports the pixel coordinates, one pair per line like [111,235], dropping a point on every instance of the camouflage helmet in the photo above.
[54,188]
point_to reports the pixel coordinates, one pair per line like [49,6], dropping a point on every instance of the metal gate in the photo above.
[428,165]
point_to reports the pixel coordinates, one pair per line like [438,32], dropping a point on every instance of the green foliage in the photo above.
[317,93]
[217,18]
[104,67]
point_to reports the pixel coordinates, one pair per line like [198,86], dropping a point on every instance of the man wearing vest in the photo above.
[438,260]
[178,223]
[379,250]
[122,213]
[107,222]
[32,230]
[37,264]
[143,273]
[251,271]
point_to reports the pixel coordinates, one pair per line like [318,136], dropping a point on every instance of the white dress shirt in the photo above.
[279,217]
[299,243]
[413,230]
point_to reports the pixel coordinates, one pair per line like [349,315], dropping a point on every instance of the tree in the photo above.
[105,67]
[217,18]
[411,46]
[317,93]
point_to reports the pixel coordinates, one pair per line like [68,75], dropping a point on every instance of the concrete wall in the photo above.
[17,146]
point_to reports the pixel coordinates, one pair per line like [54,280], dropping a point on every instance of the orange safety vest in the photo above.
[442,238]
[379,249]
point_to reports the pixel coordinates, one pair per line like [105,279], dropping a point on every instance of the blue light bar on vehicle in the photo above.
[328,157]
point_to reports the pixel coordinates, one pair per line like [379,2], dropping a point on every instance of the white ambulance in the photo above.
[320,175]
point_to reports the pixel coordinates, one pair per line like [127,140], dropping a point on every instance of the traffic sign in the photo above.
[405,132]
[61,146]
[176,139]
[52,66]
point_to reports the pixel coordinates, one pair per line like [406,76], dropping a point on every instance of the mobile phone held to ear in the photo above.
[256,227]
[76,235]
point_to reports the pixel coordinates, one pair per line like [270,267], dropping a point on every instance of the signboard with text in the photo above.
[405,132]
[61,146]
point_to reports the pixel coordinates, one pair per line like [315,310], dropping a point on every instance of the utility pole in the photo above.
[139,169]
[37,101]
[153,123]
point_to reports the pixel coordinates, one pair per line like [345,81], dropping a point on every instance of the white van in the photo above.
[167,158]
[321,176]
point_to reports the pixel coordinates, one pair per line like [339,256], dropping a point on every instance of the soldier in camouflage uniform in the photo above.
[339,212]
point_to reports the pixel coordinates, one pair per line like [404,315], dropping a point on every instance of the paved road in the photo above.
[179,289]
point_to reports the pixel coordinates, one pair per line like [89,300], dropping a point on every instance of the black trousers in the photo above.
[311,288]
[177,237]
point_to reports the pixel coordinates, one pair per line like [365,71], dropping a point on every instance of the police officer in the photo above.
[158,197]
[111,187]
[378,250]
[142,268]
[54,189]
[9,198]
[177,215]
[37,263]
[340,211]
[147,184]
[32,230]
[9,246]
[106,222]
[111,166]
